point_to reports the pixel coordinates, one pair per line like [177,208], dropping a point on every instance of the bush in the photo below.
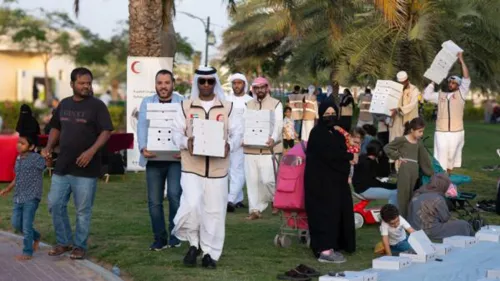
[10,114]
[117,113]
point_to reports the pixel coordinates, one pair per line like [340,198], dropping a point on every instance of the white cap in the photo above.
[402,76]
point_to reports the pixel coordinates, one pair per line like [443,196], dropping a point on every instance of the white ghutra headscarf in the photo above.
[207,72]
[239,76]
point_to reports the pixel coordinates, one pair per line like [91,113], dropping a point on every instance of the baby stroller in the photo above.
[460,204]
[289,197]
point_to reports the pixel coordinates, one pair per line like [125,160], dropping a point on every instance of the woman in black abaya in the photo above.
[328,197]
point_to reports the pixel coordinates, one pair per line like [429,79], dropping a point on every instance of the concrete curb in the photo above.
[106,274]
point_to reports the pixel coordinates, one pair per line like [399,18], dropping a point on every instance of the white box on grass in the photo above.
[421,244]
[491,227]
[460,241]
[442,249]
[488,235]
[161,123]
[367,275]
[493,274]
[418,258]
[348,277]
[391,263]
[202,147]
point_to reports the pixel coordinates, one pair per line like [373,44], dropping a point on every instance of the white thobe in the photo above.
[259,170]
[448,145]
[201,217]
[237,157]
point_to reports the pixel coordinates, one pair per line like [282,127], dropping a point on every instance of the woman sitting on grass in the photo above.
[429,211]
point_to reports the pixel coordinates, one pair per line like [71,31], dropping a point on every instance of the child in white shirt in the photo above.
[393,229]
[289,134]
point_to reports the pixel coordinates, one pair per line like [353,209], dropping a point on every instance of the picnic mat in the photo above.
[469,264]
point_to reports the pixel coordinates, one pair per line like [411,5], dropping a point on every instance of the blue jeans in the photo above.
[23,216]
[382,193]
[83,190]
[157,173]
[298,127]
[402,246]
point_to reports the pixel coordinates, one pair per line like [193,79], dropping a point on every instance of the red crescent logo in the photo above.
[132,67]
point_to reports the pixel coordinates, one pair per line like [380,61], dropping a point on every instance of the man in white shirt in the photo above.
[239,98]
[202,212]
[449,137]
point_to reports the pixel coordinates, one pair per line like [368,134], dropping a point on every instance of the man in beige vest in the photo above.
[408,107]
[310,113]
[201,217]
[259,170]
[449,137]
[296,103]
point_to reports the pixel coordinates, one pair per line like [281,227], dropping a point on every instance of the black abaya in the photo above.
[328,197]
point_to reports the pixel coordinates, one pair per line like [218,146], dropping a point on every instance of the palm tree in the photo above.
[152,31]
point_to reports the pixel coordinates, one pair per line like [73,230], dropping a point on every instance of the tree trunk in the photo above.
[48,88]
[145,19]
[167,39]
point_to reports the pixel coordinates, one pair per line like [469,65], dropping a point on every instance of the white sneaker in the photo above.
[498,152]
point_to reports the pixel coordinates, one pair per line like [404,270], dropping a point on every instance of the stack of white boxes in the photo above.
[423,247]
[443,62]
[460,241]
[259,125]
[208,138]
[352,276]
[160,137]
[386,97]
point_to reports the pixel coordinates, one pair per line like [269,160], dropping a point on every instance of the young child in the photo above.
[353,142]
[393,229]
[289,134]
[412,155]
[28,183]
[371,134]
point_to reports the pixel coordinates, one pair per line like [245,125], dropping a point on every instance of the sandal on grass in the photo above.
[77,254]
[59,250]
[308,271]
[294,275]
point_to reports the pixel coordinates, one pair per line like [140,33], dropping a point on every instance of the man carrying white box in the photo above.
[407,109]
[202,213]
[259,170]
[449,137]
[157,172]
[237,158]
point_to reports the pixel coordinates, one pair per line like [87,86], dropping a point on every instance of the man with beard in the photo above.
[236,159]
[258,161]
[159,172]
[81,125]
[202,212]
[449,137]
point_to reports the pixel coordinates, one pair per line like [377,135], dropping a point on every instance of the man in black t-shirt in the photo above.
[81,125]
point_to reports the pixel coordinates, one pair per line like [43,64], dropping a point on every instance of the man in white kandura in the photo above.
[449,137]
[239,98]
[407,109]
[259,170]
[201,217]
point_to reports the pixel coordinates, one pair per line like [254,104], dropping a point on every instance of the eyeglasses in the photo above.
[210,81]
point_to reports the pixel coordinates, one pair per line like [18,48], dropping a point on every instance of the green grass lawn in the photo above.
[121,232]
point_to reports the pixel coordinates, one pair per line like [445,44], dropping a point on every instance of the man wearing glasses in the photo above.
[449,137]
[259,170]
[201,217]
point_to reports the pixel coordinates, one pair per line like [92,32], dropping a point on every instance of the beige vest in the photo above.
[406,99]
[268,103]
[296,102]
[310,107]
[346,110]
[365,101]
[450,117]
[203,166]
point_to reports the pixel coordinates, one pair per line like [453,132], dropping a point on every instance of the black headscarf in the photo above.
[27,125]
[322,109]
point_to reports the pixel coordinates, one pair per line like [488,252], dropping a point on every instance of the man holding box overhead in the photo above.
[237,158]
[449,137]
[259,170]
[157,171]
[201,217]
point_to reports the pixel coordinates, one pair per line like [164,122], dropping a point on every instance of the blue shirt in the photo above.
[143,123]
[29,178]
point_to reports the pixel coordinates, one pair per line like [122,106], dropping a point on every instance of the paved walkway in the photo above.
[43,267]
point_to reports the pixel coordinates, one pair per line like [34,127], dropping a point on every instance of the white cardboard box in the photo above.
[160,123]
[161,143]
[442,249]
[443,62]
[491,227]
[386,96]
[421,244]
[460,241]
[259,115]
[208,130]
[351,276]
[493,274]
[391,263]
[160,115]
[367,275]
[203,147]
[159,132]
[490,235]
[163,107]
[165,156]
[418,258]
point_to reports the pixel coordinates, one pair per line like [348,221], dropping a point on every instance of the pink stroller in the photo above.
[289,197]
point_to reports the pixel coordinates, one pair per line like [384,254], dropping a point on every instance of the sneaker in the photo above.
[158,246]
[231,207]
[242,206]
[333,257]
[498,152]
[190,258]
[208,262]
[175,245]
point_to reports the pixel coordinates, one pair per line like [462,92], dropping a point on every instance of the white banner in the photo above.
[141,73]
